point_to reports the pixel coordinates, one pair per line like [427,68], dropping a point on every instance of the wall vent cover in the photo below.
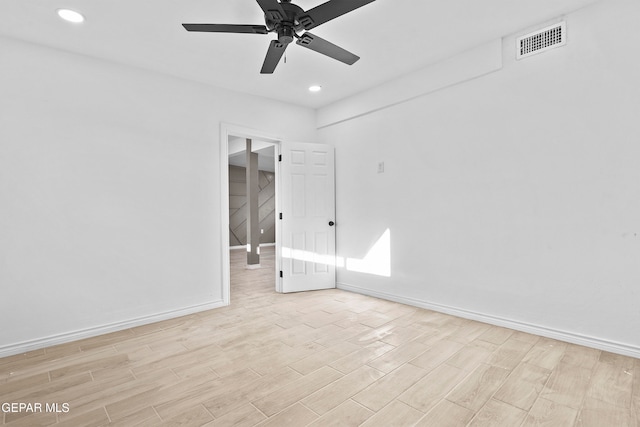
[541,40]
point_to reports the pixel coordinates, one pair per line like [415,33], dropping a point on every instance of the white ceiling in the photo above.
[393,38]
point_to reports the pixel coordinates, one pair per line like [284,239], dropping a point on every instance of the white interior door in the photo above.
[308,243]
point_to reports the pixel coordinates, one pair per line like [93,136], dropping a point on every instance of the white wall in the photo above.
[110,192]
[514,197]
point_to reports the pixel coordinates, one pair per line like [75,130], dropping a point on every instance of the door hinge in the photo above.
[280,273]
[279,157]
[280,215]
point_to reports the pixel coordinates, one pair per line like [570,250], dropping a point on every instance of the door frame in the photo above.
[226,130]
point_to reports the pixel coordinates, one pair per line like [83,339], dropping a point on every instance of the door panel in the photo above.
[308,205]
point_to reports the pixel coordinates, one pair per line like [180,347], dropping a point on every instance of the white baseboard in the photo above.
[571,337]
[26,346]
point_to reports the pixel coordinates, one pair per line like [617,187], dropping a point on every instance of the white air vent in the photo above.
[541,40]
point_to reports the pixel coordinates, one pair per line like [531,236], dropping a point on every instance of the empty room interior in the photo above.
[320,213]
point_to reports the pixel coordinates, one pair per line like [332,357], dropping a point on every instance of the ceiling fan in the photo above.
[287,20]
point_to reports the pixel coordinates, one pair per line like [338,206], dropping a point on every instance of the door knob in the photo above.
[331,223]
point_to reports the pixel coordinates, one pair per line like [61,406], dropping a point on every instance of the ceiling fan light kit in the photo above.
[288,20]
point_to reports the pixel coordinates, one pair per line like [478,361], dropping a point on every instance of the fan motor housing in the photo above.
[291,11]
[285,34]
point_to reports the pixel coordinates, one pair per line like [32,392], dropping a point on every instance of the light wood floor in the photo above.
[328,358]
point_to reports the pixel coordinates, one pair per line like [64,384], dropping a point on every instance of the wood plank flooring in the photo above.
[327,358]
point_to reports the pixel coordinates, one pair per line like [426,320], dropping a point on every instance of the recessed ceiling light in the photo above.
[315,88]
[70,15]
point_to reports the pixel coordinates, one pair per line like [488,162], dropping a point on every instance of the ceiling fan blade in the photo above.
[328,11]
[275,52]
[272,10]
[227,28]
[324,47]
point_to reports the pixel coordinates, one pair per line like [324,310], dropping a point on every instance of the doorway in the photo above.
[305,236]
[233,214]
[240,204]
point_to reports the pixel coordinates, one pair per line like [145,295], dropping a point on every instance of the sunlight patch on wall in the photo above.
[378,259]
[376,262]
